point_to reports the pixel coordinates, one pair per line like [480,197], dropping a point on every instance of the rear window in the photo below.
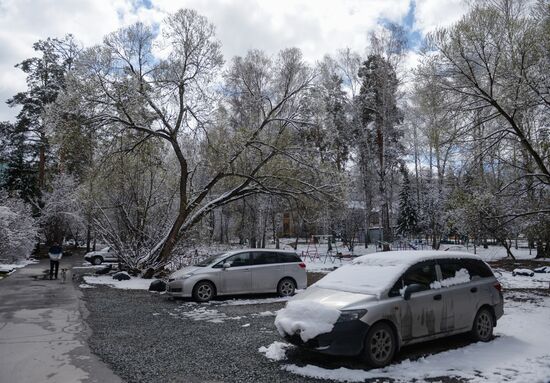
[288,258]
[477,268]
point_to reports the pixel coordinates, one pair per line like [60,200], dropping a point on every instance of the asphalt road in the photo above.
[42,332]
[146,337]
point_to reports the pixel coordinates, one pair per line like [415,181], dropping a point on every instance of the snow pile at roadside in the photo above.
[132,284]
[275,351]
[310,318]
[461,276]
[519,353]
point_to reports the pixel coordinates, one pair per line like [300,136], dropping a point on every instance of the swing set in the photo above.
[312,251]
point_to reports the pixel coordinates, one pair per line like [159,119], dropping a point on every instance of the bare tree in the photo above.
[123,86]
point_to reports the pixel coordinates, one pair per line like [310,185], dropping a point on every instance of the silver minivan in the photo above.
[387,300]
[247,271]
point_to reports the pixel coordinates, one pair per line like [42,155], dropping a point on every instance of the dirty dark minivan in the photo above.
[387,300]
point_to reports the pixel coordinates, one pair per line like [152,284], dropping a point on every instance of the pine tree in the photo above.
[407,220]
[45,80]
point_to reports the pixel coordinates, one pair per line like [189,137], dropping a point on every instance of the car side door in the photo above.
[455,287]
[236,279]
[420,315]
[266,270]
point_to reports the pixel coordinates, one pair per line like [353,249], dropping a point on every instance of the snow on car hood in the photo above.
[186,270]
[339,300]
[307,318]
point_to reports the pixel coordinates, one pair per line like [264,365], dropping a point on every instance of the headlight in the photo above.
[349,315]
[186,276]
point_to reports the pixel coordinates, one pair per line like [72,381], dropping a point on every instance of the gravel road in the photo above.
[146,337]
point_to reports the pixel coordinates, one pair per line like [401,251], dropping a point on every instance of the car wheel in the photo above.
[97,261]
[286,287]
[482,330]
[380,345]
[203,291]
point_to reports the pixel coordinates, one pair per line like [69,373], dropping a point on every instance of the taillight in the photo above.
[302,265]
[498,286]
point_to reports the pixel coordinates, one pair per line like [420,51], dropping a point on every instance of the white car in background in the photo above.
[247,271]
[104,255]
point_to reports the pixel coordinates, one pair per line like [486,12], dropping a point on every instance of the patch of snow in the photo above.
[275,351]
[246,325]
[267,313]
[525,272]
[85,286]
[203,314]
[107,280]
[309,318]
[10,267]
[519,353]
[461,276]
[242,302]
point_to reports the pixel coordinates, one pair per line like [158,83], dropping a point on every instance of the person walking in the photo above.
[55,253]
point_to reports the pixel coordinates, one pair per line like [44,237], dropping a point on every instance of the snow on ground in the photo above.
[10,267]
[242,302]
[85,286]
[519,353]
[201,314]
[132,284]
[324,264]
[509,281]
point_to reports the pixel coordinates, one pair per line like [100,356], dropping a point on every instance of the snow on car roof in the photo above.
[409,257]
[375,273]
[270,250]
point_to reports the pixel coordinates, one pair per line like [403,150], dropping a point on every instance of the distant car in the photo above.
[383,301]
[240,272]
[104,255]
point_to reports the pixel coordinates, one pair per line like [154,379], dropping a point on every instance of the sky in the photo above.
[317,27]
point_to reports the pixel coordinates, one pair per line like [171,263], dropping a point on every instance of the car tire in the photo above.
[380,345]
[482,329]
[286,287]
[204,291]
[97,261]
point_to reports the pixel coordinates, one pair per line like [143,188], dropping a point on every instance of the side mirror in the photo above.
[414,288]
[226,265]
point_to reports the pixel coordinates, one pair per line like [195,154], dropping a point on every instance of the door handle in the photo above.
[473,290]
[437,297]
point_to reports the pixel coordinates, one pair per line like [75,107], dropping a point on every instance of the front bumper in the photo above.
[345,339]
[176,288]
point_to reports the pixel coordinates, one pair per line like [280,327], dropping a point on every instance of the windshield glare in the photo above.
[210,260]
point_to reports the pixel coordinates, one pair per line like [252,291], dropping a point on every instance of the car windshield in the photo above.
[210,260]
[365,278]
[105,249]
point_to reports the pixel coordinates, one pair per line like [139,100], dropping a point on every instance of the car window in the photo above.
[241,259]
[422,273]
[477,268]
[289,258]
[449,268]
[264,258]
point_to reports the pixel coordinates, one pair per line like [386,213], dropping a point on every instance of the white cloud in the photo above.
[316,27]
[431,14]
